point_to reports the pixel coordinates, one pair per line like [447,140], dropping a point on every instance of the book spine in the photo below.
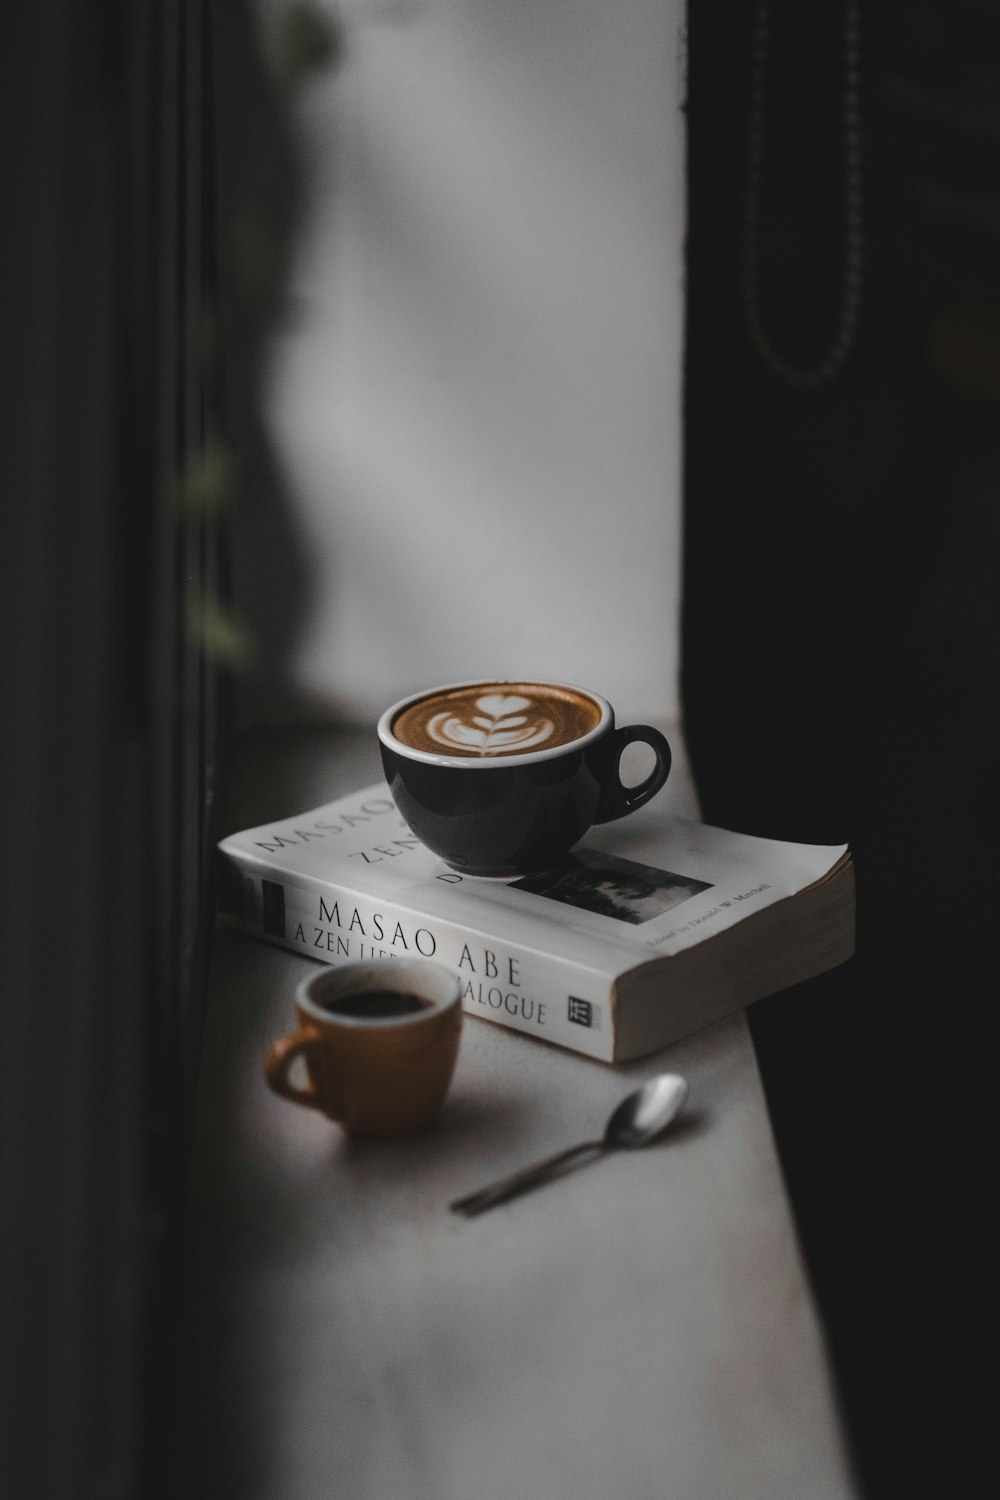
[534,993]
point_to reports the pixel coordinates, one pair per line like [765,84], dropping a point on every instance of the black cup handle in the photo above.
[618,799]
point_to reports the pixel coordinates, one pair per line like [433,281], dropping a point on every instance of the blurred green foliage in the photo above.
[255,253]
[221,633]
[209,485]
[299,41]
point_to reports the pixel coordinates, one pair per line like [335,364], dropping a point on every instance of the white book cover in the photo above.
[540,953]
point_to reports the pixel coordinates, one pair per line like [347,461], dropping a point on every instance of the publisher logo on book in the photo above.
[580,1012]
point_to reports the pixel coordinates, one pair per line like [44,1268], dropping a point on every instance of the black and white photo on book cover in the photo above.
[613,887]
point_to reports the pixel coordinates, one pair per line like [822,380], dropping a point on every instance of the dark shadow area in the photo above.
[116,715]
[841,646]
[147,196]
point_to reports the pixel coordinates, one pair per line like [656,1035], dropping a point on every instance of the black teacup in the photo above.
[503,777]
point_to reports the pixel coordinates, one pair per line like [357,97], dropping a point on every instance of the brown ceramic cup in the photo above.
[379,1040]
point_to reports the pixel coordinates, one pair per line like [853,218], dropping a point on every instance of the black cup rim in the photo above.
[497,762]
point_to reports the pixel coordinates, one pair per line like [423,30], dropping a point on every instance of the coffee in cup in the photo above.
[503,776]
[379,1039]
[376,1005]
[496,718]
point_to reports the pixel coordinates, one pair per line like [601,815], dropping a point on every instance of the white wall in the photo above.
[478,416]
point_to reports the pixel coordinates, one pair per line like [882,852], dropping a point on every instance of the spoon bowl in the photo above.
[646,1113]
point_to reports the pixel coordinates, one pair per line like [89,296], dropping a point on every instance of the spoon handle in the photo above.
[529,1177]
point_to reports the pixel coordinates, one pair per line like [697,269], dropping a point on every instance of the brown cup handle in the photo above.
[282,1054]
[618,799]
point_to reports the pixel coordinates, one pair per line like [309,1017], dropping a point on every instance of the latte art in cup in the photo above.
[496,719]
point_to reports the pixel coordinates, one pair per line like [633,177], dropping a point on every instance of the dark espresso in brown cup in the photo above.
[501,777]
[379,1040]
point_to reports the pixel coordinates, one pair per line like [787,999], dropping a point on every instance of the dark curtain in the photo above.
[114,717]
[841,651]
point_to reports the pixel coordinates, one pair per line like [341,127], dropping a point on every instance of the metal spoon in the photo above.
[639,1118]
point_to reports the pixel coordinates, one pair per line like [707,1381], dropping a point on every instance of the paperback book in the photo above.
[610,955]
